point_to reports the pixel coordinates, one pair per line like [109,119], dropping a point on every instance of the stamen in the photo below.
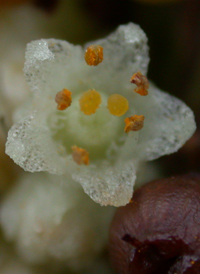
[117,105]
[94,55]
[80,155]
[63,99]
[90,101]
[141,82]
[134,123]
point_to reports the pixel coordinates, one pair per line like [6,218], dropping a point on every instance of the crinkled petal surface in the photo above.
[169,123]
[47,59]
[30,145]
[108,185]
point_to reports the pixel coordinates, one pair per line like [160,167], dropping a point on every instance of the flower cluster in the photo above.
[87,139]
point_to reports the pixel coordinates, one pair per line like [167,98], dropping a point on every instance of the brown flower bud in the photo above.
[159,232]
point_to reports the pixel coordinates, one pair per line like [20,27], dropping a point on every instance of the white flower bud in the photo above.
[51,222]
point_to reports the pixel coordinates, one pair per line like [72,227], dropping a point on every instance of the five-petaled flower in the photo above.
[43,137]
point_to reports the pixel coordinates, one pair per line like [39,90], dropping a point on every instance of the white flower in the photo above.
[11,264]
[54,222]
[42,139]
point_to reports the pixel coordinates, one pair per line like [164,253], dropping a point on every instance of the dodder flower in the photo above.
[49,222]
[43,139]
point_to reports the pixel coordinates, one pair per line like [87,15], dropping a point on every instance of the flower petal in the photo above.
[169,123]
[125,52]
[30,146]
[108,185]
[52,65]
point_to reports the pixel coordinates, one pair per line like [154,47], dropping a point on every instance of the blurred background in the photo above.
[173,30]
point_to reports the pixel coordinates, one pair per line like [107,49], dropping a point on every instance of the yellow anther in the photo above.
[117,104]
[134,123]
[80,156]
[141,82]
[63,99]
[94,55]
[90,101]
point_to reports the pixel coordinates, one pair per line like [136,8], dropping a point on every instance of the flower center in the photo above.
[99,131]
[93,132]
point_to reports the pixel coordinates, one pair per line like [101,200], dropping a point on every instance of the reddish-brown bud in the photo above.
[159,232]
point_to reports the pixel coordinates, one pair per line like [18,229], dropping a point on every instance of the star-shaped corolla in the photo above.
[94,149]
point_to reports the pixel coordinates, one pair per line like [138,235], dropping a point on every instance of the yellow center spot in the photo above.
[117,105]
[63,99]
[134,123]
[141,82]
[80,155]
[94,55]
[90,101]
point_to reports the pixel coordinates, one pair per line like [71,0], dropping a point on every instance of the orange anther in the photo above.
[134,123]
[80,155]
[94,55]
[63,99]
[90,101]
[117,104]
[141,82]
